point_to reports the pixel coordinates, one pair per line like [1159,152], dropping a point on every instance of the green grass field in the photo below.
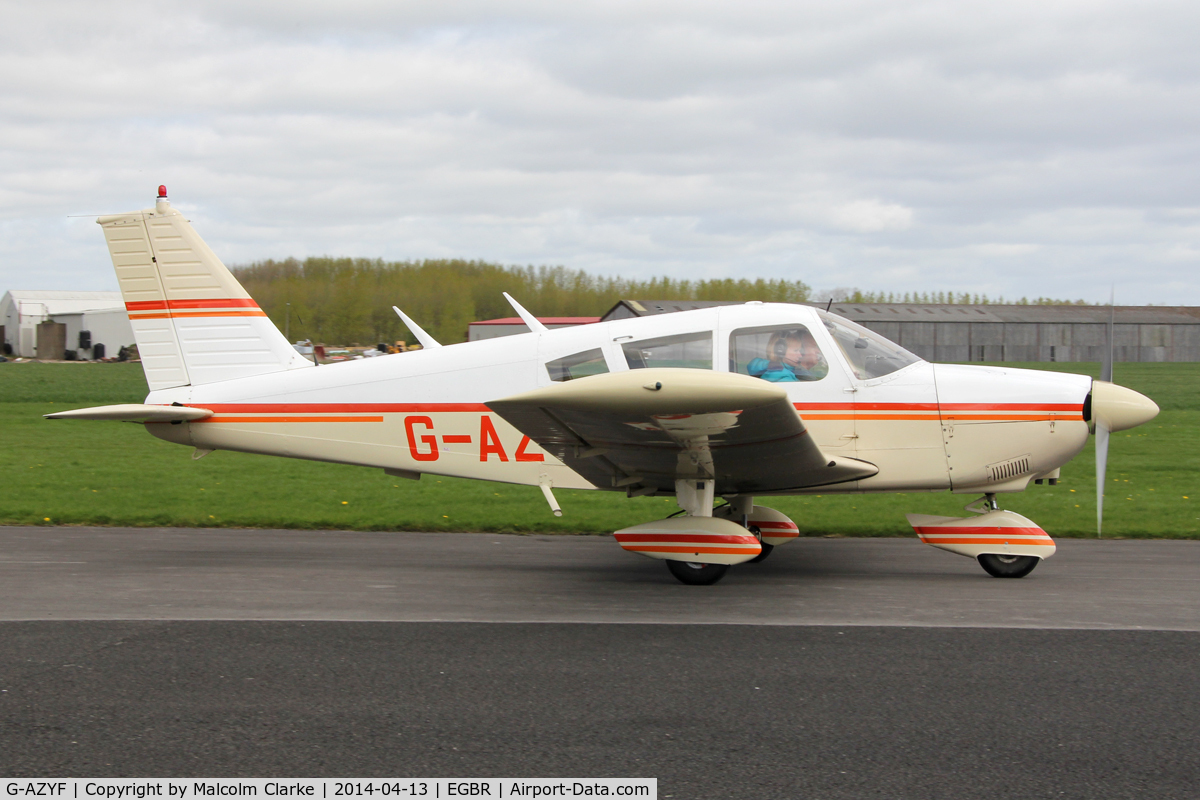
[94,473]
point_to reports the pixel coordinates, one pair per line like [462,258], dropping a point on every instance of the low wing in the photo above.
[644,429]
[135,412]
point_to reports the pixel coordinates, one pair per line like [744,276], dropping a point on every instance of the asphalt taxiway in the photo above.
[837,668]
[217,574]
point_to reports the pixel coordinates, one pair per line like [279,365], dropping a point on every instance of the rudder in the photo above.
[193,321]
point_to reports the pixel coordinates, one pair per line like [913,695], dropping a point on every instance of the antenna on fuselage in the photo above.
[526,317]
[424,338]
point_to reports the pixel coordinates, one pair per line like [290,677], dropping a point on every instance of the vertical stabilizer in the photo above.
[194,323]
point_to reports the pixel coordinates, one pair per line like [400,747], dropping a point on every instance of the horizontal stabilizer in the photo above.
[135,412]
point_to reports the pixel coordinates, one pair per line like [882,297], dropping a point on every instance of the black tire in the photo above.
[766,551]
[697,574]
[999,566]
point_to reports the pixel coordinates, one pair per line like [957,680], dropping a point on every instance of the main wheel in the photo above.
[1001,566]
[694,574]
[766,551]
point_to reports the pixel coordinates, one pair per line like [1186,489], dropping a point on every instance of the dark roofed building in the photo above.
[624,309]
[1003,332]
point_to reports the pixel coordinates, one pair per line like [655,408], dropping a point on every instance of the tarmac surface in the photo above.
[49,573]
[837,668]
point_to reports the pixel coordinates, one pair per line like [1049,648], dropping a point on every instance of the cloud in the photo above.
[1022,148]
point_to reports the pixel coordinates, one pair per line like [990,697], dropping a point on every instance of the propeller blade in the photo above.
[1101,468]
[1102,425]
[1106,371]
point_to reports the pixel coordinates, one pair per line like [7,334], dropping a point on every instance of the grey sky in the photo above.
[1022,148]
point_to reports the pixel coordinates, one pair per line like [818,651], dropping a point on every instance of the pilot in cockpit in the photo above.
[792,355]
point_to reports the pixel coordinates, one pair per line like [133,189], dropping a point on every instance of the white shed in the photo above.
[100,313]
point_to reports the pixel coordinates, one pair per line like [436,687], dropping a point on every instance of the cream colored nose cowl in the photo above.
[1120,408]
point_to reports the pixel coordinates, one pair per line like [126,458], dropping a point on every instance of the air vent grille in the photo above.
[1007,470]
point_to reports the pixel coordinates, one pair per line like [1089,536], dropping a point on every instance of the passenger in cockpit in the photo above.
[792,355]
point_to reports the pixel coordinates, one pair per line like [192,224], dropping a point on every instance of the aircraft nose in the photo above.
[1119,407]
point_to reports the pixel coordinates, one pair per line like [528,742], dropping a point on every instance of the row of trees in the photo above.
[349,300]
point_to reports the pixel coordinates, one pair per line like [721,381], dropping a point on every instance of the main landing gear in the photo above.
[766,548]
[700,546]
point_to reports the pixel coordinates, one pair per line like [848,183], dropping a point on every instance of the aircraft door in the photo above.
[899,430]
[897,423]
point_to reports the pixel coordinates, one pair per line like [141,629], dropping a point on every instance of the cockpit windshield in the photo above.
[870,355]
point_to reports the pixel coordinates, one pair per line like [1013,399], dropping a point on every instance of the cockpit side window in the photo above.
[577,365]
[870,355]
[688,350]
[777,353]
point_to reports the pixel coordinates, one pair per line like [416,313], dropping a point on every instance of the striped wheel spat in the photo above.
[999,532]
[774,529]
[974,535]
[705,540]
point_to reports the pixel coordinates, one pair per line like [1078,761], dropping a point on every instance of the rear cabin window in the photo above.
[577,365]
[689,350]
[777,353]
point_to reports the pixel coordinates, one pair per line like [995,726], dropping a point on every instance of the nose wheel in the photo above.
[1004,566]
[694,574]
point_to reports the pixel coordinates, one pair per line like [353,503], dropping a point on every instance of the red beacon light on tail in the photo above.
[162,205]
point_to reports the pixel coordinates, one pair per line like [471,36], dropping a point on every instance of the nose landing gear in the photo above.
[1005,566]
[1004,543]
[694,574]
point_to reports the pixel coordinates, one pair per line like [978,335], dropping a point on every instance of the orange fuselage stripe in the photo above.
[290,419]
[325,408]
[935,407]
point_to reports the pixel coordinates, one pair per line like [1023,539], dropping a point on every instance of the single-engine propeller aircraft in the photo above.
[737,402]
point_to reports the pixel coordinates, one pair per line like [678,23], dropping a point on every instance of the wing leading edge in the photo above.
[644,429]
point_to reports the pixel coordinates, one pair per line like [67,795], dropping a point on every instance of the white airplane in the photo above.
[736,402]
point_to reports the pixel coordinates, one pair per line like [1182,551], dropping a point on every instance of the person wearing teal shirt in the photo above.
[793,356]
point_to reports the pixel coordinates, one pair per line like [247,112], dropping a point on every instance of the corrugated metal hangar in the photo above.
[64,324]
[1004,332]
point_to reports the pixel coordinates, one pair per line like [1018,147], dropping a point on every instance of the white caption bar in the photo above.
[371,788]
